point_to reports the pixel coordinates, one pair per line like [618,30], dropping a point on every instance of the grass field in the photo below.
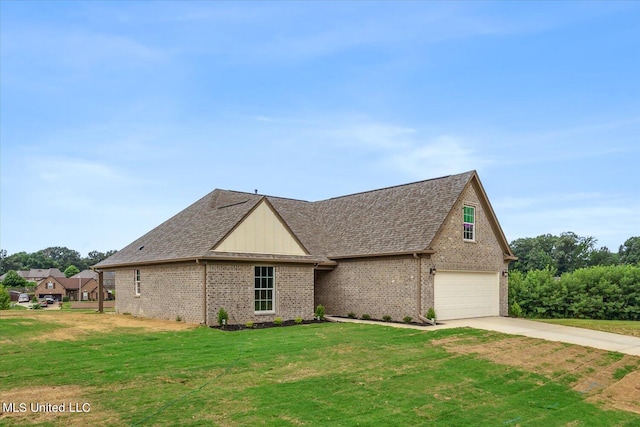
[144,372]
[623,327]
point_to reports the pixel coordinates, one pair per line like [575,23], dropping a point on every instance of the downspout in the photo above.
[419,302]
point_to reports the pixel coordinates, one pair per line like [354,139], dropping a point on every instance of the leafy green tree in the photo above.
[5,299]
[71,270]
[564,253]
[602,256]
[62,256]
[95,257]
[629,252]
[14,280]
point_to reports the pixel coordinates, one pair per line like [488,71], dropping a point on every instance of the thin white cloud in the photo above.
[371,135]
[443,155]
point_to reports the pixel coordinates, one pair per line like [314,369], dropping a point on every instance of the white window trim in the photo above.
[50,287]
[475,216]
[136,282]
[273,293]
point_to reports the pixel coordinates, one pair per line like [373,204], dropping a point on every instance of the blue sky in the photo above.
[114,116]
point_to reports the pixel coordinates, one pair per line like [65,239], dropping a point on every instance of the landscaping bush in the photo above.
[278,321]
[601,292]
[431,314]
[249,325]
[366,317]
[515,310]
[351,315]
[5,299]
[320,312]
[298,320]
[407,319]
[223,317]
[386,318]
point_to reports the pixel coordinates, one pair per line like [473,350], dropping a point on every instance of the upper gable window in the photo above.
[50,285]
[469,223]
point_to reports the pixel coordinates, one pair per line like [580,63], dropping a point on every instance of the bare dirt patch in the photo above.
[79,325]
[589,371]
[63,405]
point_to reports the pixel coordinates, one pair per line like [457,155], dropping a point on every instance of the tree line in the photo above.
[566,276]
[51,257]
[569,252]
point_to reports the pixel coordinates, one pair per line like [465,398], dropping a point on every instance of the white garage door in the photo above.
[461,295]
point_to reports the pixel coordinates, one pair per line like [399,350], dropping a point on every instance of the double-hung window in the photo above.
[263,289]
[50,285]
[136,283]
[469,223]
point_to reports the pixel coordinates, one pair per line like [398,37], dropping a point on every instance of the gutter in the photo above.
[216,258]
[384,254]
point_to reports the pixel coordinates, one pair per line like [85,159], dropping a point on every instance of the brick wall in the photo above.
[485,254]
[166,291]
[375,286]
[231,286]
[388,286]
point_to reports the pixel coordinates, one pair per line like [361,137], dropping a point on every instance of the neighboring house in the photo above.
[395,251]
[108,278]
[37,274]
[61,287]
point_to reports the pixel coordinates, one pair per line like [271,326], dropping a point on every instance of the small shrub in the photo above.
[431,314]
[5,299]
[36,306]
[249,325]
[407,319]
[65,299]
[223,317]
[320,312]
[515,310]
[178,319]
[351,315]
[386,318]
[298,320]
[277,321]
[126,313]
[366,317]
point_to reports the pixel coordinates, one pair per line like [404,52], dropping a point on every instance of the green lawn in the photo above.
[623,327]
[320,374]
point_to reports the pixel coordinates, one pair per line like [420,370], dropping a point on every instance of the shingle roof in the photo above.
[396,219]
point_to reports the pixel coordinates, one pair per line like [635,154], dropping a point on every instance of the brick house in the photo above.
[395,251]
[61,287]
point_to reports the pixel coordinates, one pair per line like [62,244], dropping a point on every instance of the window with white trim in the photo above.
[136,283]
[469,223]
[263,289]
[49,285]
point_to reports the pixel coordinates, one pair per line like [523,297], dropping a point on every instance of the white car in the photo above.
[24,298]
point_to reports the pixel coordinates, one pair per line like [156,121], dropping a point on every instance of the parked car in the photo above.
[24,298]
[42,302]
[50,299]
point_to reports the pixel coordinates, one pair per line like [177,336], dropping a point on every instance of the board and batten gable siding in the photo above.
[261,232]
[231,286]
[166,292]
[485,254]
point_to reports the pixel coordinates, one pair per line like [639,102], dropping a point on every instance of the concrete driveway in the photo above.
[528,328]
[546,331]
